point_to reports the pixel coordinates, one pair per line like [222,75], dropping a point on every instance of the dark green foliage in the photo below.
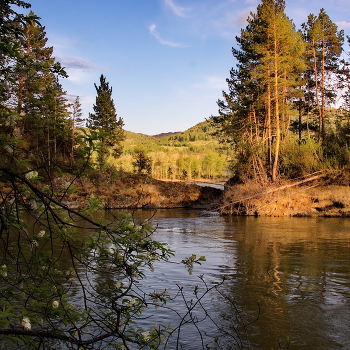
[77,113]
[142,162]
[277,90]
[105,118]
[324,47]
[40,98]
[33,105]
[254,115]
[11,30]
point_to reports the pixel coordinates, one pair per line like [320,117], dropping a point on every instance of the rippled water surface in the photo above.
[296,269]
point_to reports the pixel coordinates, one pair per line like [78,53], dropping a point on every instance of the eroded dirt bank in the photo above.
[137,191]
[327,194]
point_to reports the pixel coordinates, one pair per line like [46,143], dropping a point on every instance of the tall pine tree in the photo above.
[11,30]
[324,47]
[255,114]
[40,98]
[105,119]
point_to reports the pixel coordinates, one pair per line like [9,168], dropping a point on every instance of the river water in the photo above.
[293,273]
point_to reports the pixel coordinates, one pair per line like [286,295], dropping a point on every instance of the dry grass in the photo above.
[307,200]
[132,191]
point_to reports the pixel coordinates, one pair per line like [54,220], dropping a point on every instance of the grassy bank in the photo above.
[126,190]
[328,195]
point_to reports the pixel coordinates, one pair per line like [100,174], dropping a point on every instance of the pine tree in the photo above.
[40,97]
[279,68]
[324,47]
[255,115]
[105,119]
[77,113]
[76,121]
[11,30]
[142,163]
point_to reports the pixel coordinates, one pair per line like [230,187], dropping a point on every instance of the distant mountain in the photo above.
[200,132]
[165,134]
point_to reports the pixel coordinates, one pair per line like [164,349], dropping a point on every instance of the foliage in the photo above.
[324,46]
[141,161]
[67,277]
[255,114]
[283,84]
[34,106]
[71,281]
[105,118]
[195,152]
[300,158]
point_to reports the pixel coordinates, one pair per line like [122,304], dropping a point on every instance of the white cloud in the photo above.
[178,10]
[154,32]
[79,76]
[343,24]
[80,71]
[223,18]
[75,63]
[212,82]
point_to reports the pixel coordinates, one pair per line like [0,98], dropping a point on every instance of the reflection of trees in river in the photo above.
[298,269]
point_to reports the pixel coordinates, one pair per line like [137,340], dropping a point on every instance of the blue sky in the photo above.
[167,60]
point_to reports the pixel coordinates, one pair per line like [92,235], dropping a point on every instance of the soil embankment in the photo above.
[324,194]
[137,191]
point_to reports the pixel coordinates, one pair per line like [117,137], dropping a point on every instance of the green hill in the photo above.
[187,155]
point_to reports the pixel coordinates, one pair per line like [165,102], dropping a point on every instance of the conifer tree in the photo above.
[142,162]
[76,121]
[279,68]
[40,98]
[77,113]
[11,30]
[105,119]
[256,109]
[324,47]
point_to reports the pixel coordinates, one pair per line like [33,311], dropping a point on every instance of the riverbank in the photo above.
[127,191]
[325,194]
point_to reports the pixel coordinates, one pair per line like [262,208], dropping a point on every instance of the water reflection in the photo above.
[297,269]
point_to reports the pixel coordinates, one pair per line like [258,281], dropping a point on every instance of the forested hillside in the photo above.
[192,154]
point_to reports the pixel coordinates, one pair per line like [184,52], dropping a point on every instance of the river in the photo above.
[294,272]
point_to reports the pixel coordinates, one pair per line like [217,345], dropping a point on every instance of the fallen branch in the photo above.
[315,177]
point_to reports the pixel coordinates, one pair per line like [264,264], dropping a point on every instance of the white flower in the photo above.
[146,335]
[70,272]
[31,175]
[3,271]
[41,234]
[34,243]
[131,302]
[55,304]
[8,149]
[26,323]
